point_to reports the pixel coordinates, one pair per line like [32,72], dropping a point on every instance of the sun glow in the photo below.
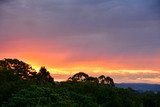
[73,70]
[61,70]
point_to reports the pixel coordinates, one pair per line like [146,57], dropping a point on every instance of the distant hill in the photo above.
[141,87]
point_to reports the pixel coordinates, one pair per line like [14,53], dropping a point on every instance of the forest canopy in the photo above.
[21,85]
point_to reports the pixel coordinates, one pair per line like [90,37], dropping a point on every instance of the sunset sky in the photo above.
[117,38]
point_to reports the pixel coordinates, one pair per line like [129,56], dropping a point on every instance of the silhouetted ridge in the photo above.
[21,85]
[83,77]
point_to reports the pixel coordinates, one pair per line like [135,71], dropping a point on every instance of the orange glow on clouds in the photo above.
[61,70]
[66,38]
[58,62]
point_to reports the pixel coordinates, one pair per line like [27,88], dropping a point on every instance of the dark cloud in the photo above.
[4,1]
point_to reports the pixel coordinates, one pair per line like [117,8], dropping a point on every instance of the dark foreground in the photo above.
[73,94]
[21,86]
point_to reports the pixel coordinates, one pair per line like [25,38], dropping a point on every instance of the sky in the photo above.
[117,38]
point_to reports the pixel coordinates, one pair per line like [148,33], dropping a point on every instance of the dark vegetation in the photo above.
[22,86]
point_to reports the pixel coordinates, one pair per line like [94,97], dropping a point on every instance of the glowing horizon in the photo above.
[120,39]
[119,75]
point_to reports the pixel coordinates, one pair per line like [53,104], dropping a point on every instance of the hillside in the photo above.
[20,85]
[141,87]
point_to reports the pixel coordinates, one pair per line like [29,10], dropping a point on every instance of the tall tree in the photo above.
[44,76]
[106,80]
[102,79]
[110,81]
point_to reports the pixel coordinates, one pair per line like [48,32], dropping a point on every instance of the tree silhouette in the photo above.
[91,79]
[106,80]
[110,81]
[81,76]
[44,76]
[102,79]
[17,68]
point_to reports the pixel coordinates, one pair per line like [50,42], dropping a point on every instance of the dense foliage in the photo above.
[21,86]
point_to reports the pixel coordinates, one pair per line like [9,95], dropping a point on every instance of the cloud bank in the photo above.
[118,34]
